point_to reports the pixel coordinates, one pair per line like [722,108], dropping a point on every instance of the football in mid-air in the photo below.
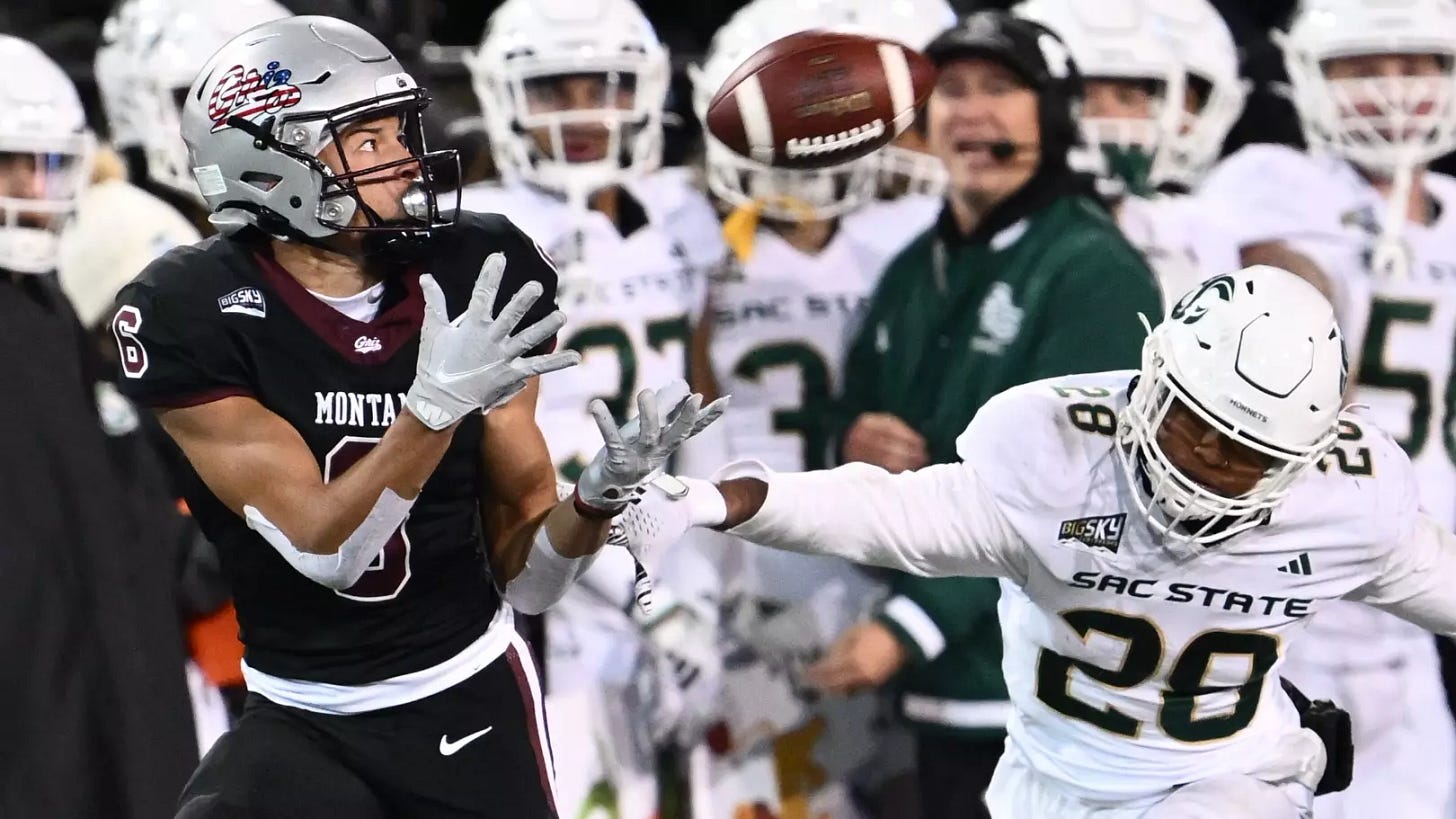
[819,98]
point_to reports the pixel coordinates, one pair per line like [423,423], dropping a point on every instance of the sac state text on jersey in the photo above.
[1195,594]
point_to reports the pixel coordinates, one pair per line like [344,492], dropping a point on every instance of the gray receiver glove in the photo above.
[474,363]
[635,454]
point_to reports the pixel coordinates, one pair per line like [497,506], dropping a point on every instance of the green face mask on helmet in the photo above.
[1129,167]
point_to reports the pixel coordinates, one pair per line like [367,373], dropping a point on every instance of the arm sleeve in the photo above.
[1417,581]
[936,522]
[927,614]
[171,356]
[1415,575]
[1089,322]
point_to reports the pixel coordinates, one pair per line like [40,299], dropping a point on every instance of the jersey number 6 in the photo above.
[384,579]
[1140,661]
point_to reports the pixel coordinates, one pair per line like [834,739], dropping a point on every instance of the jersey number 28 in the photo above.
[386,576]
[1177,717]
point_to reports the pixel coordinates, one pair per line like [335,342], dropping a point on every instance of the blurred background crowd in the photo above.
[753,725]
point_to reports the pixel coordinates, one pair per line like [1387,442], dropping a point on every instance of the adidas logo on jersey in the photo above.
[1299,565]
[367,344]
[247,301]
[1103,532]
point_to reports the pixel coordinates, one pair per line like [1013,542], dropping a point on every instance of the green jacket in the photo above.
[1046,286]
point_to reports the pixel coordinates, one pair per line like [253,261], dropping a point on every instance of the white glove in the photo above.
[663,512]
[637,452]
[473,362]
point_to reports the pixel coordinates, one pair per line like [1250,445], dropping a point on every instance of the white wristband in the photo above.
[546,576]
[706,506]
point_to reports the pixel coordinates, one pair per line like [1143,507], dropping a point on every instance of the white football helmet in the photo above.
[1257,355]
[1202,40]
[190,32]
[1377,123]
[531,44]
[118,73]
[45,156]
[779,193]
[1117,40]
[913,23]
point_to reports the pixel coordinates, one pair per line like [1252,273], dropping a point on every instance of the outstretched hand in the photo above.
[474,362]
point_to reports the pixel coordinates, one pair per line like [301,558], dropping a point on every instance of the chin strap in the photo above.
[1390,258]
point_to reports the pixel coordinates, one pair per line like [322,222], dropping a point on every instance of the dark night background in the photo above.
[422,33]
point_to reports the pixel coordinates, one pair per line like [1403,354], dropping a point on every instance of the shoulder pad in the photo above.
[1039,440]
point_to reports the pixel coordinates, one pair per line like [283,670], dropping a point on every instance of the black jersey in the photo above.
[220,318]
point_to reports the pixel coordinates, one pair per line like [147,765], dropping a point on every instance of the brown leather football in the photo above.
[819,98]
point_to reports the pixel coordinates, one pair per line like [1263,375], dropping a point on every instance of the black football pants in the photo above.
[414,761]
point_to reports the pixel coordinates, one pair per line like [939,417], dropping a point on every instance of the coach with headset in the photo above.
[1024,276]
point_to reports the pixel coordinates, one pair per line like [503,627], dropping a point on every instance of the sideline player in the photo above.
[95,717]
[376,527]
[573,93]
[1161,535]
[1162,92]
[807,248]
[1373,91]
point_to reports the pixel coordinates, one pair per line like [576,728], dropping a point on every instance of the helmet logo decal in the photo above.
[1193,306]
[248,93]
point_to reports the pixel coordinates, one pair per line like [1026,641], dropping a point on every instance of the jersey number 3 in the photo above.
[386,576]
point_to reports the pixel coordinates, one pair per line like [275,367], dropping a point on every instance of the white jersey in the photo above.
[1400,334]
[1182,249]
[629,304]
[782,323]
[629,301]
[1134,666]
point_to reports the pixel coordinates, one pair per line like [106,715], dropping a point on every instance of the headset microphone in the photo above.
[1002,150]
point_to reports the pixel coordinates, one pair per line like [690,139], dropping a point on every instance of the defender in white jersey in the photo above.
[807,249]
[1373,89]
[573,94]
[1163,535]
[1162,91]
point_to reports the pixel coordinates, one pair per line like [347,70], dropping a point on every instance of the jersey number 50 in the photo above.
[384,579]
[1140,661]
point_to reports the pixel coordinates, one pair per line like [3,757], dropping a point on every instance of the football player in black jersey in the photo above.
[369,468]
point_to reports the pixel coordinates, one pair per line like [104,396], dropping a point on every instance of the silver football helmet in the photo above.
[529,48]
[1256,355]
[45,156]
[779,193]
[265,105]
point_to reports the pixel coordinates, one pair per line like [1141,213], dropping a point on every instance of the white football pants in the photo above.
[1019,792]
